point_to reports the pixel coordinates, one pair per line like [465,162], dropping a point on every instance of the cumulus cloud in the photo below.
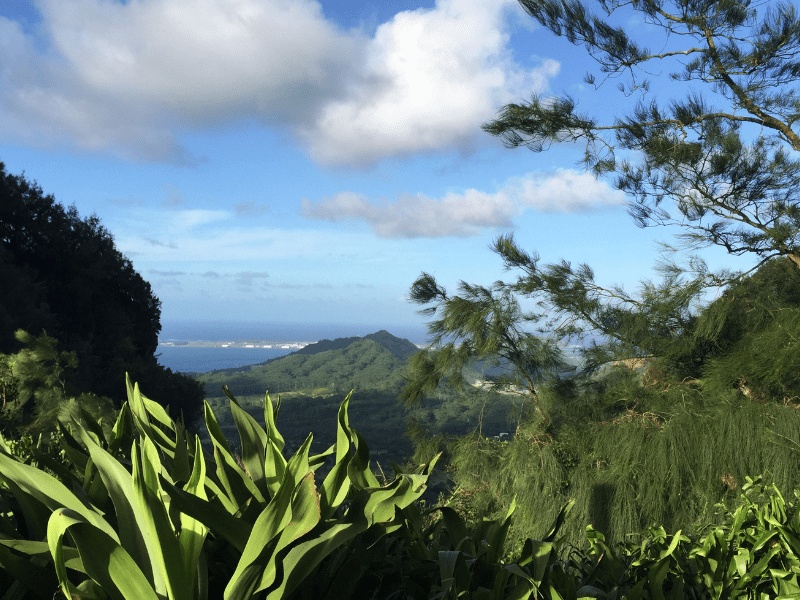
[419,215]
[564,190]
[430,78]
[468,213]
[125,78]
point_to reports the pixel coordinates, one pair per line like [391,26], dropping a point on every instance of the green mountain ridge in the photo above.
[373,362]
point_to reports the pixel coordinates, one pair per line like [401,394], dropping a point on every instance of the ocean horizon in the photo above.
[174,330]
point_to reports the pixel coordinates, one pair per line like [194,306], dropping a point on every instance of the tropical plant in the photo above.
[145,512]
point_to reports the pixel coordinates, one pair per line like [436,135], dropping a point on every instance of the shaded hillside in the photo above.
[374,362]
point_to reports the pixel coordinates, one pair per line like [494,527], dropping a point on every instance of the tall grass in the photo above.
[667,459]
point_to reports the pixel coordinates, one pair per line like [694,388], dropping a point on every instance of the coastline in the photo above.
[255,344]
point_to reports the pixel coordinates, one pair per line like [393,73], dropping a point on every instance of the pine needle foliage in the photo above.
[719,158]
[749,338]
[479,324]
[669,459]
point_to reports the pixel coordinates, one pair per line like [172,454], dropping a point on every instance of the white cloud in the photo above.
[458,215]
[564,190]
[469,213]
[126,78]
[122,78]
[430,79]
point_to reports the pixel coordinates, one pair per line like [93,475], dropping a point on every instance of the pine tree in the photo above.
[720,163]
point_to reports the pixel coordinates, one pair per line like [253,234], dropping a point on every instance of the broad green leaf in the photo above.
[193,532]
[104,560]
[143,409]
[131,524]
[181,470]
[358,470]
[34,512]
[49,491]
[656,576]
[270,415]
[236,482]
[38,579]
[273,519]
[91,424]
[165,547]
[254,442]
[122,432]
[336,486]
[454,525]
[305,516]
[302,558]
[213,514]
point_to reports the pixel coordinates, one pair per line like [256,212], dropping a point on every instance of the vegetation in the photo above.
[643,456]
[361,364]
[63,276]
[35,395]
[310,383]
[718,162]
[151,515]
[676,400]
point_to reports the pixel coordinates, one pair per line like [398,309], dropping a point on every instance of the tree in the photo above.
[749,337]
[35,395]
[720,165]
[723,169]
[62,274]
[480,324]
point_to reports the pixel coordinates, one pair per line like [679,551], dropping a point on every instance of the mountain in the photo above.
[373,362]
[401,348]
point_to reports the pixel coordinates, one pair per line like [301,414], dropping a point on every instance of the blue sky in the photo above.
[304,161]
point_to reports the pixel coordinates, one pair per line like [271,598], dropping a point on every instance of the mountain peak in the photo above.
[400,347]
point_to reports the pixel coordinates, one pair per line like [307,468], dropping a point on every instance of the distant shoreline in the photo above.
[255,344]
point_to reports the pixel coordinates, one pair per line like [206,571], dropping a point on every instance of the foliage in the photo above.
[710,391]
[631,456]
[63,274]
[151,515]
[364,364]
[36,396]
[748,338]
[697,168]
[479,324]
[381,418]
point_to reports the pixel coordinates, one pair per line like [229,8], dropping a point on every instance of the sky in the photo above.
[296,161]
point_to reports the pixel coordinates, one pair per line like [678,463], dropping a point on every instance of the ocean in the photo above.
[199,359]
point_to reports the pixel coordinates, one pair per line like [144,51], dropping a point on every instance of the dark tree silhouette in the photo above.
[62,274]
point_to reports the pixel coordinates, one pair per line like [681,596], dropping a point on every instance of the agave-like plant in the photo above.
[144,512]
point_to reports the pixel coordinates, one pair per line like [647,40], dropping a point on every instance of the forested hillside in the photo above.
[374,362]
[311,384]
